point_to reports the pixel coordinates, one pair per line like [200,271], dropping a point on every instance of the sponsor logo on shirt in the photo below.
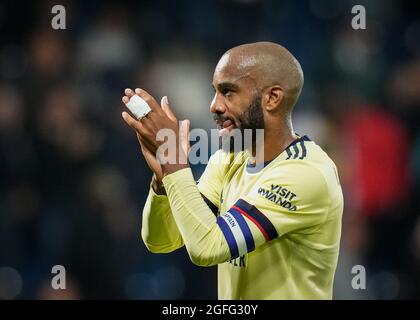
[279,195]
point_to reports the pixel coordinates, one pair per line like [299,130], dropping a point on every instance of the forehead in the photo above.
[234,69]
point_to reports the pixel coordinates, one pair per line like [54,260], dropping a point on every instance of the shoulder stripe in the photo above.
[258,218]
[302,144]
[294,144]
[296,151]
[289,153]
[233,247]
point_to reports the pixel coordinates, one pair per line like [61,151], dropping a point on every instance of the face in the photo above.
[236,103]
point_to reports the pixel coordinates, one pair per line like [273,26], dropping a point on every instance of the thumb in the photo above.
[167,109]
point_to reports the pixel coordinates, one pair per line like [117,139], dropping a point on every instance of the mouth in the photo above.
[225,126]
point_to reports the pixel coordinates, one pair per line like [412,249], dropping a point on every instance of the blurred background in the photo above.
[72,179]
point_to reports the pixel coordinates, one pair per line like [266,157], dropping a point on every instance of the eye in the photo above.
[227,92]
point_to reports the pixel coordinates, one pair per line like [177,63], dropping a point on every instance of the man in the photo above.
[274,233]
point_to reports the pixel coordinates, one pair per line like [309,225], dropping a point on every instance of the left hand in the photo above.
[157,119]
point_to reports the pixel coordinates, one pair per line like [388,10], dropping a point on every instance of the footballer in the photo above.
[273,230]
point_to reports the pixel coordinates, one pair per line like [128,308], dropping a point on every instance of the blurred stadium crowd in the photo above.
[72,179]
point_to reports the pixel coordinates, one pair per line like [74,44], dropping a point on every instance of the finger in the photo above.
[150,100]
[143,143]
[141,140]
[125,99]
[129,93]
[167,109]
[136,125]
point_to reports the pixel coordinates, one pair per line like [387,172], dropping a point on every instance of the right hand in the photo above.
[149,156]
[151,161]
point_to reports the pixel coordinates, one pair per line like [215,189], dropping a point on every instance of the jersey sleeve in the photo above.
[210,183]
[159,231]
[292,200]
[295,200]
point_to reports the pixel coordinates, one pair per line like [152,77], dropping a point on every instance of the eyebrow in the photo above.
[227,85]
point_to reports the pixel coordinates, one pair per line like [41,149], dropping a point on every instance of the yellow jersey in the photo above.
[274,233]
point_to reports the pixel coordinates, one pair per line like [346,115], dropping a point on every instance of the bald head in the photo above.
[267,64]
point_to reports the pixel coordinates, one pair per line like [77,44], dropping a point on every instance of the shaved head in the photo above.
[267,64]
[256,86]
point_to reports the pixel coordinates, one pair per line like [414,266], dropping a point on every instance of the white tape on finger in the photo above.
[138,107]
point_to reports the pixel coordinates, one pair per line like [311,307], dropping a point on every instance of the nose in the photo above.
[217,105]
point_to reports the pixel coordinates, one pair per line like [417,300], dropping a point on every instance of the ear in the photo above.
[273,97]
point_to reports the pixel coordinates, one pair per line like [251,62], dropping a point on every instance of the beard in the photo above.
[245,136]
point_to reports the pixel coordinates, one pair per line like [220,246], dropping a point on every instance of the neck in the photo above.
[276,139]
